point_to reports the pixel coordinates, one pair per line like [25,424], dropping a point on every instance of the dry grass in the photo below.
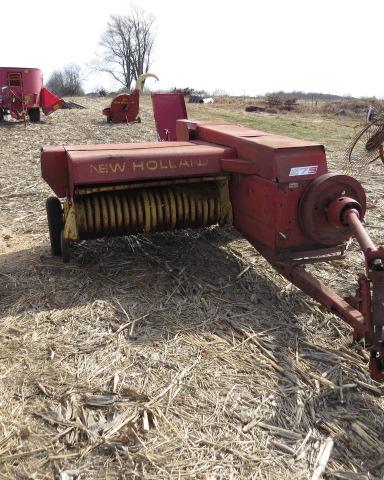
[355,108]
[179,355]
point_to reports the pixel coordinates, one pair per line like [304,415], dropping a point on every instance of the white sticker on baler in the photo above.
[296,171]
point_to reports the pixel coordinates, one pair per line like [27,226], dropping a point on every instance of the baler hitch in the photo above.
[372,296]
[364,311]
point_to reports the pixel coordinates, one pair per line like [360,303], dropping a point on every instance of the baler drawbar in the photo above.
[275,190]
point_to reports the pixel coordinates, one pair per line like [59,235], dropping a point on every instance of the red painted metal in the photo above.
[19,90]
[95,165]
[144,162]
[320,194]
[124,108]
[22,93]
[315,289]
[270,156]
[167,109]
[50,102]
[336,210]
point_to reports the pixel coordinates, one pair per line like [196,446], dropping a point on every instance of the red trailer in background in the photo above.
[22,94]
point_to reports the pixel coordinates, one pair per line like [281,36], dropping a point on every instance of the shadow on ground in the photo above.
[195,282]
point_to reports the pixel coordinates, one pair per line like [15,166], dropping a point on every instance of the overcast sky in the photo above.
[241,47]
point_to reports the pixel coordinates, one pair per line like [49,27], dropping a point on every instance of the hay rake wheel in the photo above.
[366,146]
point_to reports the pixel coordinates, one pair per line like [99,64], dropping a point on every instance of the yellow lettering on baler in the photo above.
[152,165]
[104,168]
[185,163]
[138,165]
[202,163]
[162,166]
[117,167]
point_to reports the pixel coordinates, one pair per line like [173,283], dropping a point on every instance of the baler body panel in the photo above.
[109,166]
[99,165]
[268,173]
[167,108]
[54,169]
[268,210]
[261,153]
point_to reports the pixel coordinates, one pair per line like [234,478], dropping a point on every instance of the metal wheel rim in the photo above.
[357,156]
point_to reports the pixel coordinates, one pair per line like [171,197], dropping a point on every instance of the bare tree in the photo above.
[127,46]
[66,81]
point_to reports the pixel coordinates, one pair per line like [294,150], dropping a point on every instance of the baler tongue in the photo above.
[50,102]
[370,296]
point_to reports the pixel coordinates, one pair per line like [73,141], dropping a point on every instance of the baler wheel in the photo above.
[55,224]
[1,115]
[34,114]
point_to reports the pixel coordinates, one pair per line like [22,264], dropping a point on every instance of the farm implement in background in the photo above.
[276,191]
[367,146]
[125,107]
[22,94]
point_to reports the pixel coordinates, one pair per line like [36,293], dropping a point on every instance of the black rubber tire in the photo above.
[1,115]
[34,114]
[55,224]
[65,248]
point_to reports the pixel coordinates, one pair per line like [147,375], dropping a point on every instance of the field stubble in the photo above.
[180,355]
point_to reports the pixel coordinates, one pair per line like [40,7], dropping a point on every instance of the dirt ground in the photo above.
[179,355]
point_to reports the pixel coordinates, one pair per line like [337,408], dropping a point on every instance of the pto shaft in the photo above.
[352,218]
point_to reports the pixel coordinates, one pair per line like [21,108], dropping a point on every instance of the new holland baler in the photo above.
[275,190]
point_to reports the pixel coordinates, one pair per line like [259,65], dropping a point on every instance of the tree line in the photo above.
[125,53]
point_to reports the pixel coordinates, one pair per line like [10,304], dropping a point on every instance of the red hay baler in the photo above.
[22,94]
[275,190]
